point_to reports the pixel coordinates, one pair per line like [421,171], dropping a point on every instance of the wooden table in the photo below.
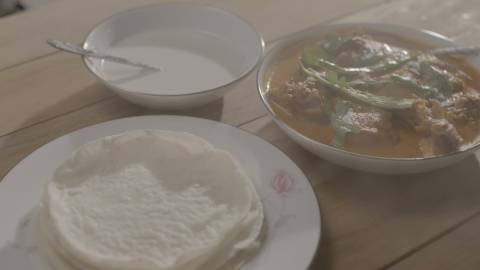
[425,221]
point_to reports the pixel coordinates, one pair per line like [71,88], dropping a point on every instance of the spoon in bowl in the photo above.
[72,48]
[470,50]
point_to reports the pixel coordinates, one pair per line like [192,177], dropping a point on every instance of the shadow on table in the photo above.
[110,106]
[423,204]
[212,111]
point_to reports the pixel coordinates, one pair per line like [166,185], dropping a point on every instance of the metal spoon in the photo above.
[72,48]
[470,50]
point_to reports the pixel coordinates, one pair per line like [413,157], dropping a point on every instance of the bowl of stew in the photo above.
[374,97]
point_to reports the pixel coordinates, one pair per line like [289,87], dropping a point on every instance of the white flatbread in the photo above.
[150,200]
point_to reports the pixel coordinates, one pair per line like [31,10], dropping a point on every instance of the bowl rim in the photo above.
[297,36]
[245,73]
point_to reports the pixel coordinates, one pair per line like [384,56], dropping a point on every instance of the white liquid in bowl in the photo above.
[191,62]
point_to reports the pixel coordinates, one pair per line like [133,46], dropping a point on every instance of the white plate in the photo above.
[291,208]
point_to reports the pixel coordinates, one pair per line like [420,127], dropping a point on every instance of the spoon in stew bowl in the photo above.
[72,48]
[470,50]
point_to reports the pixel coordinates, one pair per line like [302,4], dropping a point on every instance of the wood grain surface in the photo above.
[424,221]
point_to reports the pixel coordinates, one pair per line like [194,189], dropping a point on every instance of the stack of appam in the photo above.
[150,200]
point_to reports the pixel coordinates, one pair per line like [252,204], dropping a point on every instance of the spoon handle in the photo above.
[471,50]
[72,48]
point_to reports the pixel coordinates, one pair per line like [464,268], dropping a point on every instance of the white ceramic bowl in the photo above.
[202,50]
[346,158]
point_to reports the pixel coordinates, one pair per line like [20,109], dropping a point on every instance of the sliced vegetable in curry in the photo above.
[377,95]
